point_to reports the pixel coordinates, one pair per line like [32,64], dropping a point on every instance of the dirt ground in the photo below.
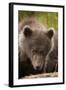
[43,75]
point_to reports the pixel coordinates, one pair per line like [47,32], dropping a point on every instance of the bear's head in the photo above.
[37,44]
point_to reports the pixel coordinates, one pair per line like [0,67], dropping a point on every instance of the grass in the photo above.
[49,19]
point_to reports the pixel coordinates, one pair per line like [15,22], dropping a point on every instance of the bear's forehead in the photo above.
[39,36]
[39,41]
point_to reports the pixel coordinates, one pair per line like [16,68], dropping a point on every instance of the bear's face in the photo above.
[37,45]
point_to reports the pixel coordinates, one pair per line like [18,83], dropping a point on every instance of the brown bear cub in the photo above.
[38,49]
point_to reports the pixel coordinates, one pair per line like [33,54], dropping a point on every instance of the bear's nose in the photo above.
[37,67]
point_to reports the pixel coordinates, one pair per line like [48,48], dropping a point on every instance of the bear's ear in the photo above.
[27,31]
[50,33]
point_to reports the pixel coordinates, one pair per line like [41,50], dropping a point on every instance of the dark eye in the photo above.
[34,51]
[41,52]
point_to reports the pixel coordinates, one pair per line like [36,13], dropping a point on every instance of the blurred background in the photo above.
[48,19]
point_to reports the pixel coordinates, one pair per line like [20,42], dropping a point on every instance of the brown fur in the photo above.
[35,42]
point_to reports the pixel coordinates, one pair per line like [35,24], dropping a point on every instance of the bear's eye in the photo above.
[34,51]
[41,52]
[37,52]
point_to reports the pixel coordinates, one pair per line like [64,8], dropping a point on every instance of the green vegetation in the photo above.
[49,19]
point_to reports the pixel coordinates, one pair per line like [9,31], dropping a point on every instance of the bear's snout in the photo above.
[38,67]
[37,62]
